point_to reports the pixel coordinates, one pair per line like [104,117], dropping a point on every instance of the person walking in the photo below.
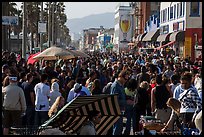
[191,103]
[118,88]
[29,93]
[42,94]
[14,104]
[129,108]
[159,97]
[54,93]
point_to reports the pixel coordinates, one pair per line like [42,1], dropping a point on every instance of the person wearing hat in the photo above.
[74,92]
[94,118]
[14,104]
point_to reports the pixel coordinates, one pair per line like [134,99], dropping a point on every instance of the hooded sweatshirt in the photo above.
[54,93]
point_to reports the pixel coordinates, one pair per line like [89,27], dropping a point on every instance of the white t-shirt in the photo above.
[42,92]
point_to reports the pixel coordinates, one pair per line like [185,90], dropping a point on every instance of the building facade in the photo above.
[90,38]
[181,27]
[123,28]
[105,40]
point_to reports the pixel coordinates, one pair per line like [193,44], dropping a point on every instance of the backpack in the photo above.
[140,98]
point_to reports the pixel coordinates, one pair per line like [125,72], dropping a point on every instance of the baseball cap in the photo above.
[77,86]
[13,77]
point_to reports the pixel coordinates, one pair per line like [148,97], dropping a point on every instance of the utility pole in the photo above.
[49,23]
[41,34]
[24,30]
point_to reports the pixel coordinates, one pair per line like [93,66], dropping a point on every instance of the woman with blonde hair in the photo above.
[58,104]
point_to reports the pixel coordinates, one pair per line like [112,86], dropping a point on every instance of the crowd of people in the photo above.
[31,93]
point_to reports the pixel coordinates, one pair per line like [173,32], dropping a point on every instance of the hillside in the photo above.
[92,21]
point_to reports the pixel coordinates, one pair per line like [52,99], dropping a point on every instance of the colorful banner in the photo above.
[187,47]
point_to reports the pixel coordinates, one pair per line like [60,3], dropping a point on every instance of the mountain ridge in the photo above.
[76,25]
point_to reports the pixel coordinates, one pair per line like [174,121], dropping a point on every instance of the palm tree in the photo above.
[4,31]
[33,11]
[8,9]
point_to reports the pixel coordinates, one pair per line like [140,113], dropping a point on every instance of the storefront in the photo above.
[151,36]
[178,38]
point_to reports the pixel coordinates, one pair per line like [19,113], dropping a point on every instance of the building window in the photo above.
[155,19]
[174,11]
[161,16]
[171,12]
[194,9]
[158,22]
[177,10]
[165,15]
[180,9]
[168,14]
[183,8]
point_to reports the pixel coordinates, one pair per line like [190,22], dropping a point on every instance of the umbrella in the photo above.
[71,117]
[79,53]
[31,59]
[54,53]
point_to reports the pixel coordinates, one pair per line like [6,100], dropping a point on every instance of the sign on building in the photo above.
[9,20]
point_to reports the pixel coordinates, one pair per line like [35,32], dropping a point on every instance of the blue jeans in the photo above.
[28,119]
[118,126]
[130,113]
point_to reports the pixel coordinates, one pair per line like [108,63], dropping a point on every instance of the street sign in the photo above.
[41,27]
[9,20]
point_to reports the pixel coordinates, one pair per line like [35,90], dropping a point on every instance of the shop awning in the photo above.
[170,43]
[151,36]
[140,37]
[177,36]
[163,37]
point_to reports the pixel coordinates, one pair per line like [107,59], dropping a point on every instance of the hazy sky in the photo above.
[82,9]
